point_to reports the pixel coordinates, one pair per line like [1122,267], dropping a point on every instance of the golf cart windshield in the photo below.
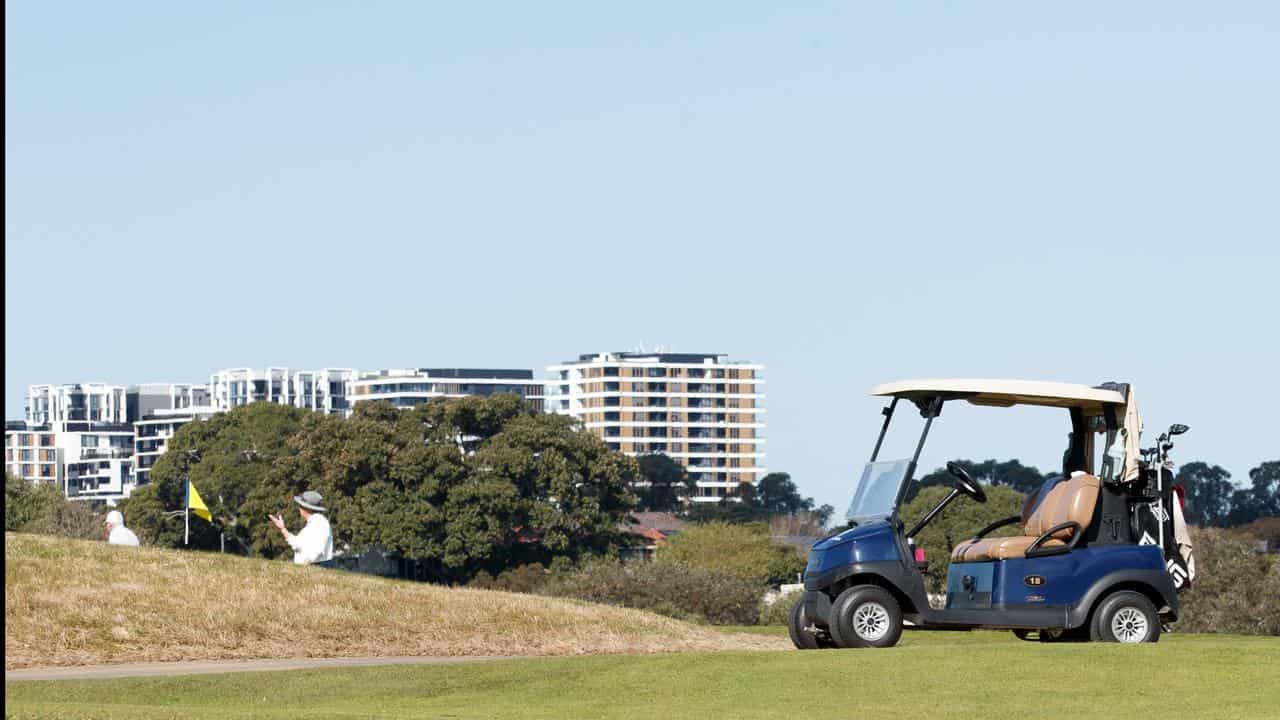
[877,491]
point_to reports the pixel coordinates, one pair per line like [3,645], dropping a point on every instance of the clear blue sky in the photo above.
[847,193]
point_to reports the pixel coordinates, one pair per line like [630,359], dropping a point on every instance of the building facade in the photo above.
[414,386]
[163,409]
[698,408]
[325,390]
[32,455]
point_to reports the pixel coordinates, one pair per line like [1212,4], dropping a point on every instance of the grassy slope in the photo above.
[71,602]
[930,675]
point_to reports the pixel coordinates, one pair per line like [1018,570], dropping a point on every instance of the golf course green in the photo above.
[985,675]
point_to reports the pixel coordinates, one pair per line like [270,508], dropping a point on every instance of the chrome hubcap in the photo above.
[871,621]
[1129,625]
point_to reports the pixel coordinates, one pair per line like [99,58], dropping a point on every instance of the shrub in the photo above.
[522,579]
[42,508]
[778,612]
[1236,590]
[744,550]
[667,588]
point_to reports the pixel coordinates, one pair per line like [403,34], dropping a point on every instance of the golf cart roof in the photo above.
[1004,393]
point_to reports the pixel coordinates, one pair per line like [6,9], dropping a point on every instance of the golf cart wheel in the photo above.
[866,616]
[1025,635]
[802,638]
[1125,617]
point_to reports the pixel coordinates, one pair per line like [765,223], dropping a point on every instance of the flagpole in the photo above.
[186,515]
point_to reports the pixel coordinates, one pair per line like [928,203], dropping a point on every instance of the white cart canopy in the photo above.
[1006,393]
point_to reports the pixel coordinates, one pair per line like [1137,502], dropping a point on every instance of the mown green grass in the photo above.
[930,675]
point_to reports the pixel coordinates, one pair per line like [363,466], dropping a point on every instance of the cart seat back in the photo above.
[1058,501]
[1071,500]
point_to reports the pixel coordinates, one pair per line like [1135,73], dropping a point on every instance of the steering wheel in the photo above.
[965,482]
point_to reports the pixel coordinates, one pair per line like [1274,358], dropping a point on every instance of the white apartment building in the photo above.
[163,409]
[325,390]
[84,437]
[413,386]
[698,408]
[58,405]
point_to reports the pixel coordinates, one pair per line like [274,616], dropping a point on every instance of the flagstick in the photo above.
[186,516]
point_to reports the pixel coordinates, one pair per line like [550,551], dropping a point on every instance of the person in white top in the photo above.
[117,533]
[315,542]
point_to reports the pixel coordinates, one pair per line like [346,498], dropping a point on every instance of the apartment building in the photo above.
[163,409]
[32,455]
[408,387]
[325,390]
[84,436]
[700,409]
[71,405]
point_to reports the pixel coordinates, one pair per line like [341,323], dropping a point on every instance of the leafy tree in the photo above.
[1208,493]
[778,495]
[667,482]
[23,502]
[823,514]
[226,457]
[469,484]
[743,549]
[732,509]
[41,507]
[1009,473]
[1259,501]
[957,523]
[775,494]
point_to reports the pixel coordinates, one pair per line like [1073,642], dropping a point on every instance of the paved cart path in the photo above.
[204,667]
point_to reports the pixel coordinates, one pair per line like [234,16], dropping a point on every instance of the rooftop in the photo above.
[451,373]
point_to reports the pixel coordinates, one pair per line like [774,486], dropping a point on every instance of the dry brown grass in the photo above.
[73,602]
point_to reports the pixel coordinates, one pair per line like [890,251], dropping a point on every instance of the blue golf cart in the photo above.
[1099,552]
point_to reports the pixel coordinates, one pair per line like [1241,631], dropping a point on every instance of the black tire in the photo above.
[866,616]
[801,638]
[1125,617]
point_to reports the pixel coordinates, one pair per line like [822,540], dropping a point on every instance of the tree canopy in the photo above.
[665,482]
[467,483]
[1208,493]
[1008,473]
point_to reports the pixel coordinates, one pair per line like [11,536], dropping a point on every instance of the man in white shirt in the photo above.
[117,533]
[315,542]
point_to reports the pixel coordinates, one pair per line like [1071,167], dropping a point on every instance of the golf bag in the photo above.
[1158,520]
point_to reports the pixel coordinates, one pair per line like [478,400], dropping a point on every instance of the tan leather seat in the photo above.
[1068,501]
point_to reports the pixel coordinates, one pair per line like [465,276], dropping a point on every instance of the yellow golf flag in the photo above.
[196,504]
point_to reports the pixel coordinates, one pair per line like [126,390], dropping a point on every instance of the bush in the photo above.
[667,588]
[529,579]
[744,550]
[1236,590]
[42,508]
[778,612]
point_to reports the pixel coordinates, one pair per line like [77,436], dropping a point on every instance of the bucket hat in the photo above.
[310,500]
